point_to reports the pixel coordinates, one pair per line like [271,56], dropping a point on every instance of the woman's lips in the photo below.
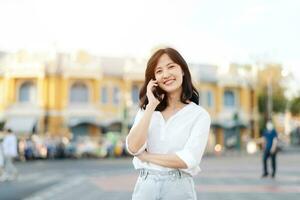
[169,82]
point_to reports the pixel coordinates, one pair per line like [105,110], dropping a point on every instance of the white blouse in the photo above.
[185,134]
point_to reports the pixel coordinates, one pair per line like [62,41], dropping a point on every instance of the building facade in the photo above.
[80,94]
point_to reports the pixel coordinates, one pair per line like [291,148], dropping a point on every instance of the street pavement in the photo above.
[230,177]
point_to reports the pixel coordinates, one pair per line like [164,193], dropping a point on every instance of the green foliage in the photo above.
[295,106]
[1,126]
[278,99]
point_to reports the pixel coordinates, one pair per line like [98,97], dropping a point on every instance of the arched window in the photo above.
[27,93]
[116,95]
[229,99]
[209,99]
[79,93]
[104,95]
[206,98]
[135,94]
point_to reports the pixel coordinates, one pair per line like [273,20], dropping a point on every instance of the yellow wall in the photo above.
[56,126]
[10,92]
[219,99]
[245,99]
[219,136]
[53,94]
[110,83]
[2,94]
[214,90]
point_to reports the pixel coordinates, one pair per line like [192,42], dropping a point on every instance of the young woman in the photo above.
[170,130]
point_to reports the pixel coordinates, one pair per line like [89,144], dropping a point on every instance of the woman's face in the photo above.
[168,74]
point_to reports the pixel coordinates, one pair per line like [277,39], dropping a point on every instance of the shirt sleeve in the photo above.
[193,150]
[137,119]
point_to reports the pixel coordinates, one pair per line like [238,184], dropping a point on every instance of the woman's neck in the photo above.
[174,100]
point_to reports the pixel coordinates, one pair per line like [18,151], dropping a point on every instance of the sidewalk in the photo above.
[291,149]
[236,153]
[222,178]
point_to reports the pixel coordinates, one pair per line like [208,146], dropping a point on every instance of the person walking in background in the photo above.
[10,152]
[1,159]
[170,130]
[269,149]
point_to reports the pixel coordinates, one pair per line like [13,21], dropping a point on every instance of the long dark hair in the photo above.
[188,90]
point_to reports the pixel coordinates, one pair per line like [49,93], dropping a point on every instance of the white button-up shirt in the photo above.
[185,134]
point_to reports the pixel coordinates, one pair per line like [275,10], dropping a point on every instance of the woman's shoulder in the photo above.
[200,111]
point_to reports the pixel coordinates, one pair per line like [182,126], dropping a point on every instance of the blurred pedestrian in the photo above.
[1,160]
[22,145]
[170,130]
[10,153]
[270,141]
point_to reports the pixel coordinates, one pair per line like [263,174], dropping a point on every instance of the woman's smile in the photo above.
[169,81]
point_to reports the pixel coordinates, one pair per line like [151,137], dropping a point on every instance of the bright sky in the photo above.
[206,31]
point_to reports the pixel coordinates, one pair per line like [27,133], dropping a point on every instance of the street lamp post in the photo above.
[270,101]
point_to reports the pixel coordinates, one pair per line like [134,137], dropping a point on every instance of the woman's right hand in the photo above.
[153,101]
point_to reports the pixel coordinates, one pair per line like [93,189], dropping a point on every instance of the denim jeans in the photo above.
[266,155]
[10,172]
[164,185]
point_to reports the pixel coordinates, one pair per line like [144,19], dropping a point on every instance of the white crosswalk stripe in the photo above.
[53,192]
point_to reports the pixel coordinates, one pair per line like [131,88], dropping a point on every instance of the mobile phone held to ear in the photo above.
[158,93]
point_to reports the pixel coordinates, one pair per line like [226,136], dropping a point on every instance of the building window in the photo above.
[104,95]
[27,93]
[135,94]
[229,99]
[79,93]
[1,94]
[201,99]
[206,98]
[116,95]
[209,99]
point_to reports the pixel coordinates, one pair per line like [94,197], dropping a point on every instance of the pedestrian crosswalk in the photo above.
[70,185]
[57,191]
[88,180]
[93,184]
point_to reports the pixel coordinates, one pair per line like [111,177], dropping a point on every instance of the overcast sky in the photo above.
[206,31]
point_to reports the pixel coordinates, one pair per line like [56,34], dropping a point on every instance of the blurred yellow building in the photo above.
[75,94]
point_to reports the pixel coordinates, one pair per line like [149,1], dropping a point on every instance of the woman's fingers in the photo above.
[152,83]
[150,95]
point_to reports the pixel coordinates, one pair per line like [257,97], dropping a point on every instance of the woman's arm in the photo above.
[165,160]
[137,135]
[274,145]
[191,154]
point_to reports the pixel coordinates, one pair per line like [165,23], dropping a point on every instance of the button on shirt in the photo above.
[185,134]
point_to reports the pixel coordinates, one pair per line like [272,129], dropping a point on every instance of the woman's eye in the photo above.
[159,71]
[171,66]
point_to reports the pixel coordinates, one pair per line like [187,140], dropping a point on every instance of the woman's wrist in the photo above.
[151,107]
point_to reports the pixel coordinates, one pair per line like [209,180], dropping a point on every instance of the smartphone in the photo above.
[157,91]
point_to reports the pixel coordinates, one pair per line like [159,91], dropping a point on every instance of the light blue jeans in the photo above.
[160,185]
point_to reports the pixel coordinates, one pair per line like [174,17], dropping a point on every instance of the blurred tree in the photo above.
[278,99]
[295,106]
[1,126]
[270,77]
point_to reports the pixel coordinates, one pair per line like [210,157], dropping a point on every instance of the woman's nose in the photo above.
[166,74]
